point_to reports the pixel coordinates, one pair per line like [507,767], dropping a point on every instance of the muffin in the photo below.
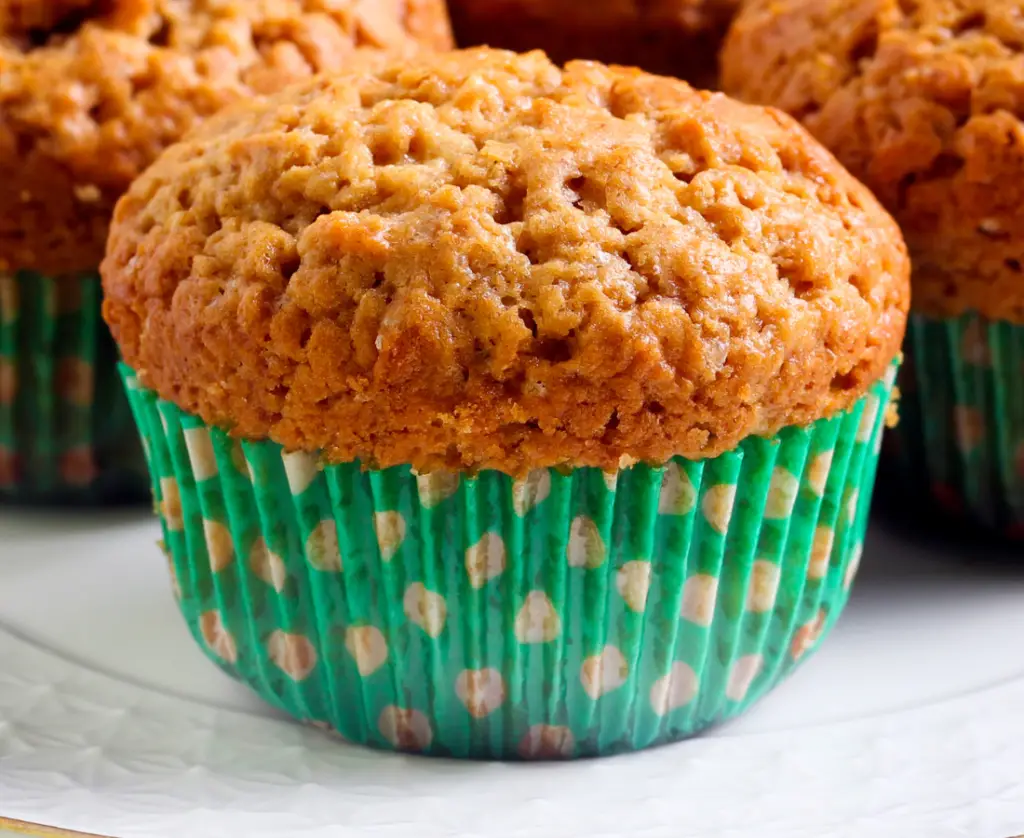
[674,37]
[923,102]
[90,93]
[497,410]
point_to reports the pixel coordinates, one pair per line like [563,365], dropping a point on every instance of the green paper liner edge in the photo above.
[960,441]
[557,616]
[66,429]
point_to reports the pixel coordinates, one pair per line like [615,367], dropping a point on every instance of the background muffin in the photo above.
[443,309]
[89,94]
[923,102]
[673,37]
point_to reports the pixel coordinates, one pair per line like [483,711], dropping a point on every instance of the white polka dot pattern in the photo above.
[217,638]
[699,595]
[390,529]
[425,608]
[633,582]
[407,730]
[301,468]
[367,646]
[867,419]
[293,654]
[537,620]
[853,565]
[481,690]
[322,550]
[266,565]
[586,547]
[675,689]
[818,471]
[604,672]
[678,495]
[764,586]
[807,636]
[821,552]
[851,505]
[531,490]
[547,742]
[742,675]
[436,487]
[170,506]
[219,546]
[782,492]
[485,560]
[200,453]
[717,506]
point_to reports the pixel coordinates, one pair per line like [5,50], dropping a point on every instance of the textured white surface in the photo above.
[909,723]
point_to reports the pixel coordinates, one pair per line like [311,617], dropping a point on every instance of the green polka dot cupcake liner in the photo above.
[66,429]
[960,441]
[564,614]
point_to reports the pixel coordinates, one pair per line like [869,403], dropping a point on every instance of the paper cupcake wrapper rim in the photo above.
[560,615]
[960,442]
[66,429]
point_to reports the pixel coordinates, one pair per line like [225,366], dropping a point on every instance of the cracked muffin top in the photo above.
[482,261]
[675,37]
[92,90]
[923,101]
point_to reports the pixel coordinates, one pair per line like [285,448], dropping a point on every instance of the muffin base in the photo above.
[960,441]
[66,430]
[561,615]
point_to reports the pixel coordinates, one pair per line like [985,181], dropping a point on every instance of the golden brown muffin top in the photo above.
[92,90]
[482,261]
[923,100]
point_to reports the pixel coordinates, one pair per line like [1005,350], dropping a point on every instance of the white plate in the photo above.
[910,722]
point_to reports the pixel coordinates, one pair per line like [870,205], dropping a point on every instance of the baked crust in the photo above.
[673,37]
[91,92]
[482,261]
[923,102]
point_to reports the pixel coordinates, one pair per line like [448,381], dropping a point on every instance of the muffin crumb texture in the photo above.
[92,90]
[482,261]
[924,102]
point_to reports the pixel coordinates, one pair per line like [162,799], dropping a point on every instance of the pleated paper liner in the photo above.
[561,615]
[960,442]
[66,429]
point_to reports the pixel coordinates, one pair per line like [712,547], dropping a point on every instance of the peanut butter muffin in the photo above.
[90,93]
[531,411]
[674,37]
[924,102]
